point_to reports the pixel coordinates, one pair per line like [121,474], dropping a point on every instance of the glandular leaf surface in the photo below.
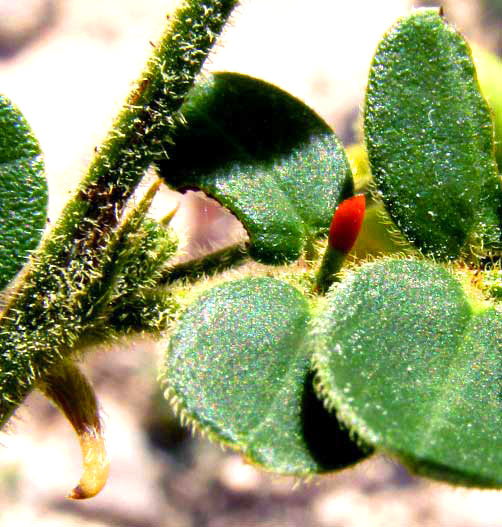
[430,138]
[415,369]
[265,156]
[238,368]
[23,191]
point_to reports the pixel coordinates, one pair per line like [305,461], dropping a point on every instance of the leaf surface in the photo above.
[430,138]
[265,156]
[415,369]
[238,368]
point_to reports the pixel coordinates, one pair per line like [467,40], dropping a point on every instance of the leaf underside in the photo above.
[265,156]
[430,138]
[239,369]
[415,371]
[23,191]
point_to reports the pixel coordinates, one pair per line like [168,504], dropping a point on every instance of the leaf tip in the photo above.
[96,465]
[71,392]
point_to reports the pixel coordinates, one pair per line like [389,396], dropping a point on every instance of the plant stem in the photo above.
[209,264]
[53,302]
[327,274]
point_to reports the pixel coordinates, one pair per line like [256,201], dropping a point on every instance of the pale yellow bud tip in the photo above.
[96,466]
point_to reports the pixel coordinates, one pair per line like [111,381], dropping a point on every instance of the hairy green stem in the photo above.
[327,274]
[54,301]
[207,265]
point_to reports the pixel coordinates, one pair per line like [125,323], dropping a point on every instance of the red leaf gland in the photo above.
[346,223]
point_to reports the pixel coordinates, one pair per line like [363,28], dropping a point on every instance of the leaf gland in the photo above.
[346,223]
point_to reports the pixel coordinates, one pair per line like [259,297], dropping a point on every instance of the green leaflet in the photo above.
[430,138]
[414,369]
[265,156]
[238,368]
[23,191]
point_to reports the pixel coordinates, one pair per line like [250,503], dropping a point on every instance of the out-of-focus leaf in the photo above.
[489,70]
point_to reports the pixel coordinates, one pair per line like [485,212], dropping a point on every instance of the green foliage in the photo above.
[402,355]
[265,156]
[238,369]
[23,191]
[430,138]
[413,367]
[137,303]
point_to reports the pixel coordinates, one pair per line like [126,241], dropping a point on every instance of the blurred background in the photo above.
[68,65]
